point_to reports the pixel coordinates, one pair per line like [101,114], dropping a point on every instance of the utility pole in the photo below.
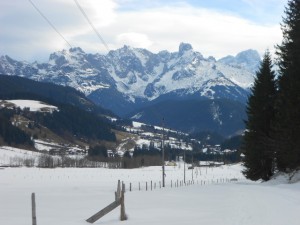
[192,165]
[163,154]
[184,165]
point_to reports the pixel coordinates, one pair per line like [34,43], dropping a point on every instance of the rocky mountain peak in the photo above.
[248,56]
[248,60]
[184,47]
[76,50]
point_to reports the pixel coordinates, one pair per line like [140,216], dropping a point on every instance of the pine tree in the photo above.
[259,157]
[287,122]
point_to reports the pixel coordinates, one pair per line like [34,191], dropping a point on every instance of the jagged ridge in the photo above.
[138,76]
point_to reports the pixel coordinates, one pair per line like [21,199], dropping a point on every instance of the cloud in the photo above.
[210,32]
[133,39]
[26,35]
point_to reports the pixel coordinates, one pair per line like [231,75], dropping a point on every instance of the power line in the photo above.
[91,24]
[49,23]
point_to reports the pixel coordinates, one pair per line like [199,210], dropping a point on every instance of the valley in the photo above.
[186,113]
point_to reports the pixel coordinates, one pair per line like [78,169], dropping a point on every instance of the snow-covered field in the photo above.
[70,196]
[32,105]
[11,156]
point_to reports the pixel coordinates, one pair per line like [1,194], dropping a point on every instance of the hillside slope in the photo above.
[225,117]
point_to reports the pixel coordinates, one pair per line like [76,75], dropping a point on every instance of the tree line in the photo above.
[67,121]
[10,134]
[272,138]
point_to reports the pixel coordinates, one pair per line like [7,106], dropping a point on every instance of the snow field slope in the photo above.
[32,105]
[70,196]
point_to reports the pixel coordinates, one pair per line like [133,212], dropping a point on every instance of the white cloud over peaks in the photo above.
[133,39]
[210,32]
[101,13]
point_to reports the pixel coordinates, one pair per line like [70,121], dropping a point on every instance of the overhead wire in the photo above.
[49,22]
[91,24]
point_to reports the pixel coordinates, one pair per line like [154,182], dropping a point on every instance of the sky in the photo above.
[213,27]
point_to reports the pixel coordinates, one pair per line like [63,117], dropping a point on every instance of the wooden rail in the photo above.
[119,200]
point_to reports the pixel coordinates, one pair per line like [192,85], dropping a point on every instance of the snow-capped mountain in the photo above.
[130,76]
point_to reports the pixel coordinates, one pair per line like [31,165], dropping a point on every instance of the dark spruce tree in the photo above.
[259,156]
[286,126]
[98,151]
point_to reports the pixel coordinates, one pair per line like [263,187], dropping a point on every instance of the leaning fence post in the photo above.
[119,197]
[33,209]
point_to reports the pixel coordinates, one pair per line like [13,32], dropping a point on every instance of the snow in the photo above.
[137,124]
[84,72]
[70,196]
[140,142]
[45,146]
[33,105]
[88,88]
[148,134]
[10,155]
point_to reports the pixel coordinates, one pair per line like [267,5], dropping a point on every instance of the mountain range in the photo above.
[129,79]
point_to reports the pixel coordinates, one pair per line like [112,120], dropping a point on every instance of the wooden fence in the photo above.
[119,200]
[120,195]
[153,185]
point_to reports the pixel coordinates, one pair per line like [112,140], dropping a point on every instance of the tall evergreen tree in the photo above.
[259,156]
[287,122]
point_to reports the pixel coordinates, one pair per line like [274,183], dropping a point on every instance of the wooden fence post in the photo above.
[119,189]
[33,209]
[122,186]
[123,214]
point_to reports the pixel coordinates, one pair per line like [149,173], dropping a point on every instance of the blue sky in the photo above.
[260,11]
[213,27]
